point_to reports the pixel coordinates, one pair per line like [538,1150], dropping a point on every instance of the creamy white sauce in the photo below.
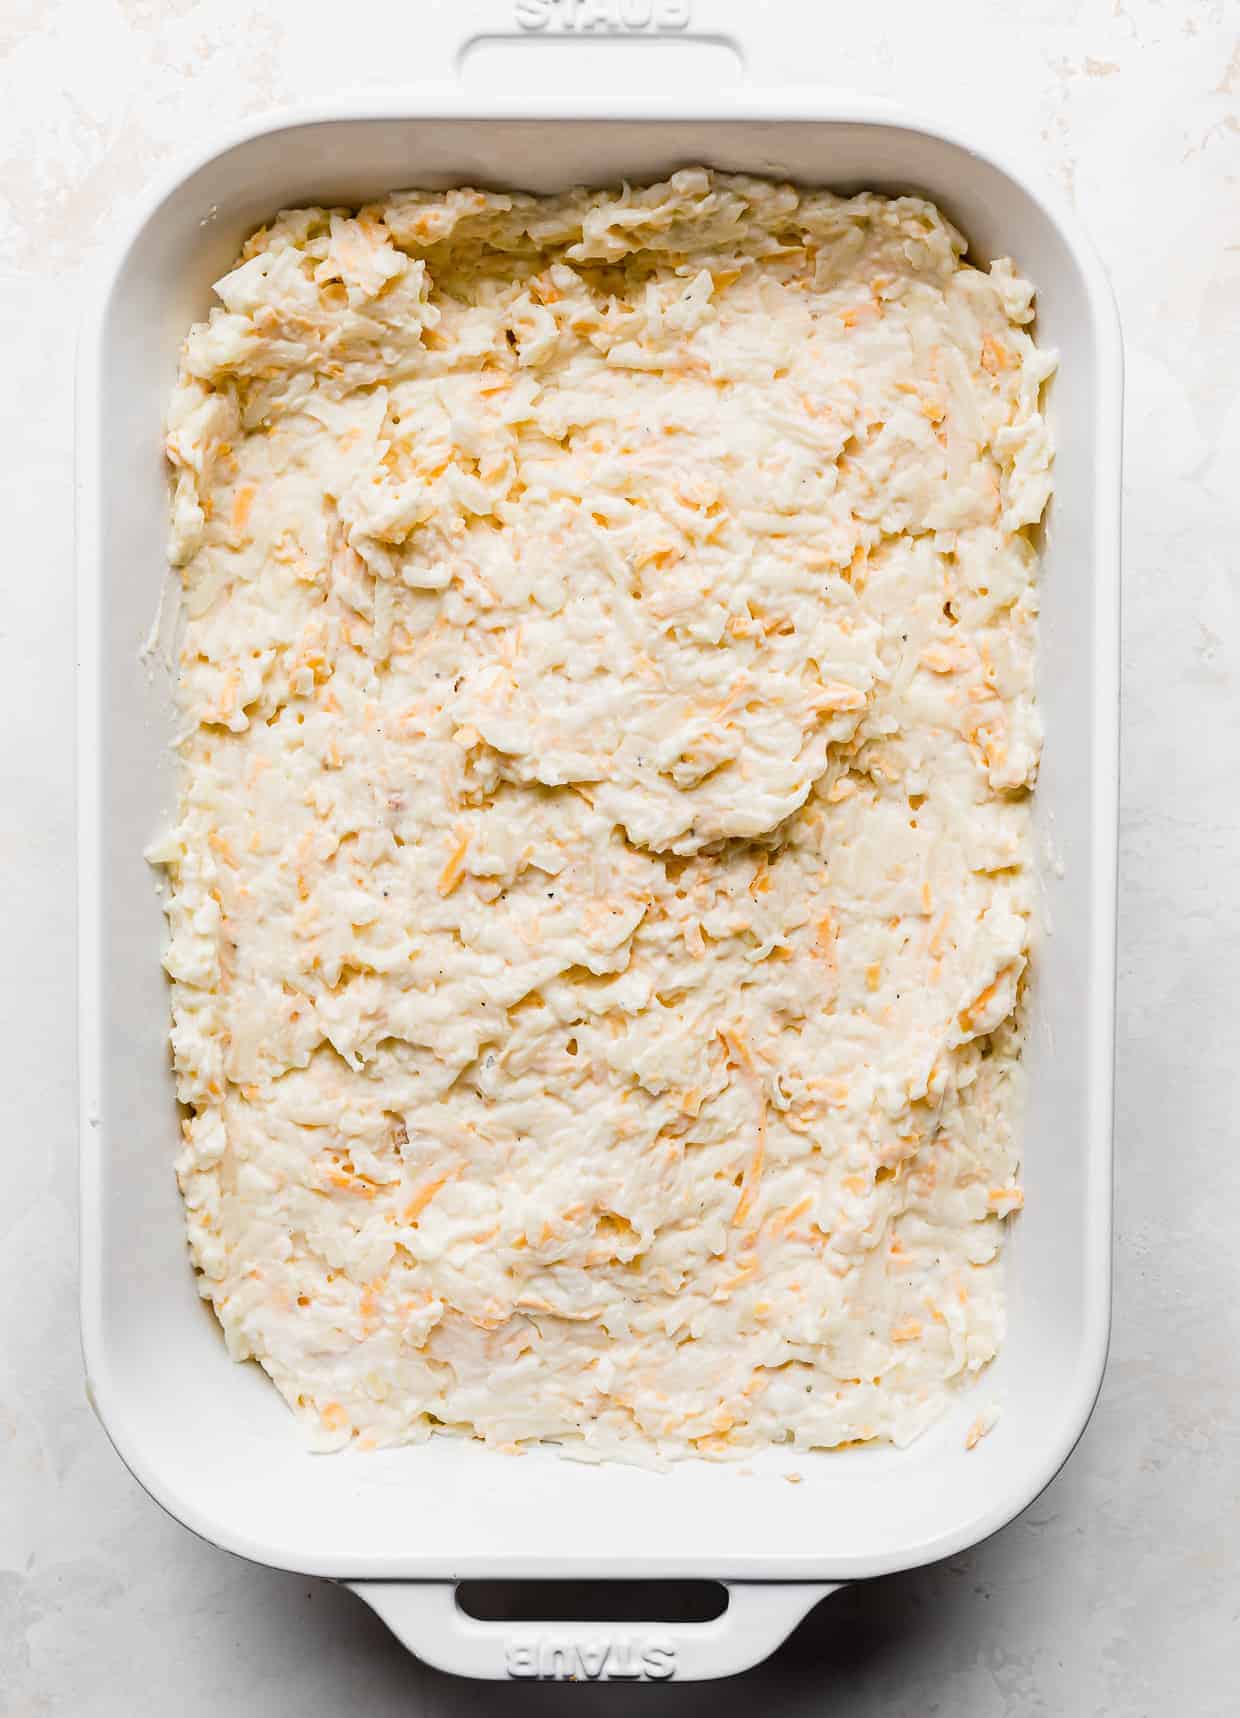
[602,881]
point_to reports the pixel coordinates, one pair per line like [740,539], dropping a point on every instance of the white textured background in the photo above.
[1118,1593]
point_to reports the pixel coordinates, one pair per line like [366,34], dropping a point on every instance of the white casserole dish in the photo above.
[212,1442]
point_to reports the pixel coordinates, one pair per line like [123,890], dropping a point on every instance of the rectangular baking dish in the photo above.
[211,1441]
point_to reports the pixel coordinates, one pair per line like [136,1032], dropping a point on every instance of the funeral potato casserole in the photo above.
[601,889]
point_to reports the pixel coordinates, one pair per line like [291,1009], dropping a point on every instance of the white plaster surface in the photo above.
[1118,1593]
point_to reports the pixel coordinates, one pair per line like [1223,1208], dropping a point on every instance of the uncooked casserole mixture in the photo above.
[601,885]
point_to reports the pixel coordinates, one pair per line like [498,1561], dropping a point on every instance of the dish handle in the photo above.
[426,1618]
[731,40]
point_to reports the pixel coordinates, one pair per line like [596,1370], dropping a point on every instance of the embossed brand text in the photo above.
[617,17]
[622,1658]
